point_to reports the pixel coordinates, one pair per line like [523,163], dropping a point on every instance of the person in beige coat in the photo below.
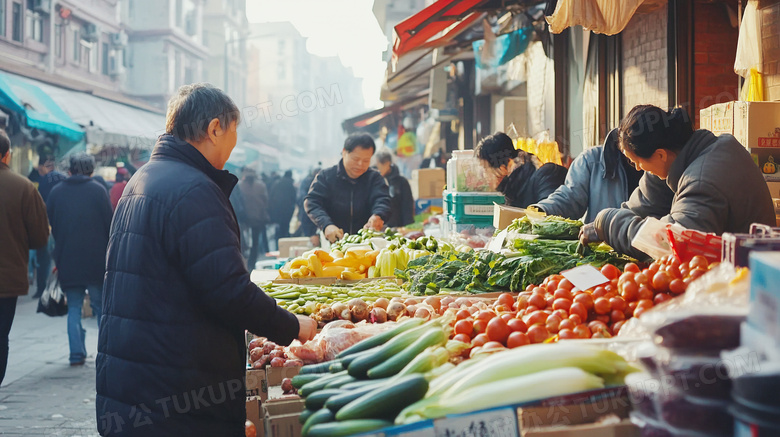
[23,226]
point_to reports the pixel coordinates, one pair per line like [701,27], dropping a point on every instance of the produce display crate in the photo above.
[470,207]
[333,281]
[737,247]
[687,243]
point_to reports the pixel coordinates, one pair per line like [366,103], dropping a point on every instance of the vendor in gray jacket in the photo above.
[600,178]
[717,186]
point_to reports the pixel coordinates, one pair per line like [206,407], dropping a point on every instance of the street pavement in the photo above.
[42,395]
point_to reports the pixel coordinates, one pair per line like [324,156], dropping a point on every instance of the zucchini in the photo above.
[336,402]
[433,337]
[360,367]
[347,428]
[336,367]
[360,383]
[346,361]
[299,380]
[317,400]
[386,401]
[316,368]
[341,380]
[319,417]
[319,384]
[382,338]
[305,414]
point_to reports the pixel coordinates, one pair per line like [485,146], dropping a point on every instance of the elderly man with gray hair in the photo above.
[178,297]
[80,216]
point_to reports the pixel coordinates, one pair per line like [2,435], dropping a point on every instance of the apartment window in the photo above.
[57,40]
[17,22]
[33,22]
[281,46]
[76,45]
[2,17]
[105,58]
[281,72]
[90,54]
[179,13]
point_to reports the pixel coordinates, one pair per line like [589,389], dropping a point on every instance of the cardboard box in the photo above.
[286,243]
[504,215]
[254,413]
[774,189]
[757,125]
[622,429]
[428,183]
[281,418]
[722,118]
[256,385]
[705,118]
[763,156]
[764,313]
[275,375]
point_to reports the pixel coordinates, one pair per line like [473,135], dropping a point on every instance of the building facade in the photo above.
[225,35]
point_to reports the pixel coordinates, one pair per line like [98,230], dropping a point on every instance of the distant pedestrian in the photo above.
[48,179]
[281,204]
[401,199]
[24,226]
[255,197]
[307,228]
[120,182]
[80,215]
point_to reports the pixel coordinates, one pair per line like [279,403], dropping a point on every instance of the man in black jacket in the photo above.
[281,200]
[401,199]
[349,196]
[177,297]
[80,215]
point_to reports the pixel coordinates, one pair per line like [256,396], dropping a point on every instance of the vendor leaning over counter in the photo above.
[600,178]
[717,186]
[519,175]
[349,196]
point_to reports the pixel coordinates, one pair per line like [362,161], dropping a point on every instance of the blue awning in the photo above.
[39,109]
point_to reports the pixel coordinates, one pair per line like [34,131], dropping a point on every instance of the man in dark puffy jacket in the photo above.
[281,199]
[401,199]
[255,217]
[177,297]
[349,196]
[80,215]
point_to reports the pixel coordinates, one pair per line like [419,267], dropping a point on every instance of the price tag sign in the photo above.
[497,242]
[585,277]
[495,423]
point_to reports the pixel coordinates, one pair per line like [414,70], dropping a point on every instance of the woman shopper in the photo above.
[717,187]
[519,175]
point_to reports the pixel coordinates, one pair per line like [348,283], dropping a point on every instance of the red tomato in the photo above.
[600,291]
[610,271]
[538,301]
[616,327]
[563,293]
[561,304]
[698,261]
[673,272]
[522,303]
[645,292]
[596,326]
[537,317]
[539,290]
[552,285]
[617,316]
[647,303]
[630,309]
[582,331]
[618,303]
[462,314]
[630,291]
[479,340]
[549,302]
[538,333]
[639,311]
[563,314]
[696,273]
[566,324]
[579,309]
[661,298]
[485,315]
[505,299]
[517,339]
[576,319]
[661,282]
[641,278]
[517,325]
[631,267]
[530,287]
[502,309]
[685,271]
[480,326]
[602,306]
[552,323]
[585,299]
[531,309]
[604,318]
[626,277]
[677,286]
[610,288]
[567,334]
[498,330]
[653,268]
[462,337]
[464,326]
[565,284]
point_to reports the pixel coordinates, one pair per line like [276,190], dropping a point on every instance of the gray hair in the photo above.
[383,156]
[81,163]
[194,106]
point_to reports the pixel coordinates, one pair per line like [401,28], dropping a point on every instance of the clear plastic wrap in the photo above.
[334,338]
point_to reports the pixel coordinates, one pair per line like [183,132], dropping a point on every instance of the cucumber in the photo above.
[336,367]
[346,361]
[319,417]
[305,414]
[341,380]
[386,401]
[316,368]
[319,384]
[299,381]
[393,365]
[347,428]
[382,338]
[360,367]
[360,383]
[317,400]
[337,402]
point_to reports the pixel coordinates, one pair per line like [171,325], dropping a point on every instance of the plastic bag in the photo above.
[335,337]
[749,54]
[53,301]
[600,16]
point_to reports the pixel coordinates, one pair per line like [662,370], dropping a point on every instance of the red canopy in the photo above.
[421,29]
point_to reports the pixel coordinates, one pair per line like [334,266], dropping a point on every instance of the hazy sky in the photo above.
[346,28]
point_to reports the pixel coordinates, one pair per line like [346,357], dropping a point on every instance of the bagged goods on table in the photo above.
[334,338]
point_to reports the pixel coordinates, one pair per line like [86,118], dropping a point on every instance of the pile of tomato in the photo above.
[556,309]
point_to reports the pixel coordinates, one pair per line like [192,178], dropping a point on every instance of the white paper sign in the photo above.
[497,242]
[495,423]
[585,277]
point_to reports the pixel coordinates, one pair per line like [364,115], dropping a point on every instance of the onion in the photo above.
[396,299]
[339,309]
[446,300]
[381,303]
[359,309]
[259,364]
[255,354]
[277,362]
[410,310]
[269,347]
[422,313]
[293,363]
[327,314]
[453,305]
[257,342]
[276,354]
[395,310]
[378,315]
[434,302]
[411,301]
[463,301]
[287,386]
[473,309]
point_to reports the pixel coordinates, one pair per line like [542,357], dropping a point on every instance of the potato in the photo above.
[255,354]
[268,347]
[277,362]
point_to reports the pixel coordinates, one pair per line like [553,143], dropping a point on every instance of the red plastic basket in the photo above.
[687,243]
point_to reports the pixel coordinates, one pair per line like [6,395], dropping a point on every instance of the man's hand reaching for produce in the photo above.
[588,234]
[307,329]
[375,222]
[333,233]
